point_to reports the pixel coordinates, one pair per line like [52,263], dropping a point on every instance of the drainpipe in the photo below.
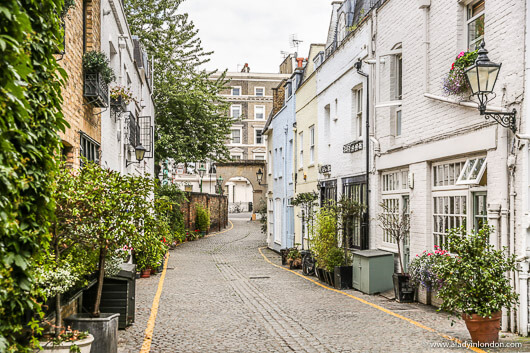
[511,166]
[358,65]
[425,6]
[504,245]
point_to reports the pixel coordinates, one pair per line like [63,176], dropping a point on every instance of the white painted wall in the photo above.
[117,43]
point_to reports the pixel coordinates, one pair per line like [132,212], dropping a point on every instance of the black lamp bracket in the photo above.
[128,163]
[506,120]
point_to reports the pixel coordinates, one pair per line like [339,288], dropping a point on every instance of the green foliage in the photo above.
[97,62]
[324,234]
[203,218]
[335,257]
[192,120]
[294,253]
[173,215]
[474,279]
[455,82]
[68,4]
[30,116]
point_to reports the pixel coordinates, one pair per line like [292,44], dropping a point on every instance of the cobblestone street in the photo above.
[220,295]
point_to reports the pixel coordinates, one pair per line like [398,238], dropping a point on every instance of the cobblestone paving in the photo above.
[221,296]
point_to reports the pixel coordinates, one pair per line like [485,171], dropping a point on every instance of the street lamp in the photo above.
[482,76]
[259,176]
[139,151]
[220,185]
[202,170]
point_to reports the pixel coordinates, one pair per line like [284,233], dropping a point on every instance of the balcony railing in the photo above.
[96,91]
[353,147]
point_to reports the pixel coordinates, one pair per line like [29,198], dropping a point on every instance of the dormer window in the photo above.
[341,28]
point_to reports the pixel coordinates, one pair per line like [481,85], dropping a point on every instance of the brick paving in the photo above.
[221,296]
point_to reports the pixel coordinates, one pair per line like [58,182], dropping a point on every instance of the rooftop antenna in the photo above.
[294,42]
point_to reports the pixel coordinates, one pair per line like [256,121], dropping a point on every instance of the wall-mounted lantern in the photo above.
[139,151]
[482,77]
[259,176]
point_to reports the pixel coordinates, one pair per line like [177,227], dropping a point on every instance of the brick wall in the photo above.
[218,206]
[80,115]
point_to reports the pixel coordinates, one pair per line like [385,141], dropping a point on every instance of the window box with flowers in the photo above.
[455,83]
[120,97]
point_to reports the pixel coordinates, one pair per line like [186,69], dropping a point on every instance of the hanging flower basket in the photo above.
[455,83]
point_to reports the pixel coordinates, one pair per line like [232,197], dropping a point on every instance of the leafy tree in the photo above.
[30,116]
[191,118]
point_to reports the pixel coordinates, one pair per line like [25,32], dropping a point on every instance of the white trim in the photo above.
[475,181]
[240,136]
[256,136]
[232,91]
[236,106]
[256,89]
[400,111]
[264,112]
[389,104]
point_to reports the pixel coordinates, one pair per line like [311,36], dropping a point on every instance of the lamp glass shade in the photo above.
[259,175]
[487,76]
[202,170]
[472,79]
[139,151]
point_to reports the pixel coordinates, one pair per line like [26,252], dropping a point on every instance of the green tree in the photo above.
[30,103]
[192,119]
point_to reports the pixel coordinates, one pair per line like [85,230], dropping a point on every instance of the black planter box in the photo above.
[95,90]
[343,277]
[118,104]
[284,253]
[320,274]
[330,278]
[403,289]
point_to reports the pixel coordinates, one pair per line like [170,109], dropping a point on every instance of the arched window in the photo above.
[341,28]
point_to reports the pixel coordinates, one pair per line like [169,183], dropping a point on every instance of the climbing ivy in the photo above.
[30,100]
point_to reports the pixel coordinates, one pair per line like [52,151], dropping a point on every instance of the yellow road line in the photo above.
[146,346]
[148,336]
[375,306]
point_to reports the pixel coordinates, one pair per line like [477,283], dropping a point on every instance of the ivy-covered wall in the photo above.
[30,100]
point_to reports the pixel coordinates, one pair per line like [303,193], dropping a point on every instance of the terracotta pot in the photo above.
[146,273]
[483,329]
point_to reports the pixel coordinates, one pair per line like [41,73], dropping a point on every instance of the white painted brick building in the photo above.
[133,71]
[422,138]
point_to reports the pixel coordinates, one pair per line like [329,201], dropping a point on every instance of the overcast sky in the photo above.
[257,31]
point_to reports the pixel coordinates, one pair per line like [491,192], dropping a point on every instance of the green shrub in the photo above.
[30,117]
[474,279]
[335,257]
[203,218]
[324,234]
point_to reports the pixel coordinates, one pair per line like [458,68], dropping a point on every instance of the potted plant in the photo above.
[324,237]
[348,210]
[335,260]
[68,341]
[98,74]
[455,82]
[294,258]
[423,276]
[475,284]
[397,225]
[120,97]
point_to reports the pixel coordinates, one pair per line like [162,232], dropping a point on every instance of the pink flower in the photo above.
[462,53]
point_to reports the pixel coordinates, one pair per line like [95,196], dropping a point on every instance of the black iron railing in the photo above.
[352,147]
[96,91]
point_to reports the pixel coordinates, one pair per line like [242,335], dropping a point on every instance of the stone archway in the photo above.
[246,169]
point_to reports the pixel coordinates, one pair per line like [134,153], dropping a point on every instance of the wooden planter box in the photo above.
[423,295]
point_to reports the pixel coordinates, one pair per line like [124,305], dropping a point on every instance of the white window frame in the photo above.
[468,9]
[269,163]
[394,186]
[341,28]
[256,91]
[399,77]
[359,112]
[240,136]
[301,149]
[259,155]
[232,107]
[398,122]
[232,91]
[472,165]
[255,112]
[256,136]
[312,145]
[240,155]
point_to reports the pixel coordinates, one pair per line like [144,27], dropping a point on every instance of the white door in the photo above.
[278,221]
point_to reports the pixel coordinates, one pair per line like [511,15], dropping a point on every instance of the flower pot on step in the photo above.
[104,329]
[483,329]
[146,273]
[64,347]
